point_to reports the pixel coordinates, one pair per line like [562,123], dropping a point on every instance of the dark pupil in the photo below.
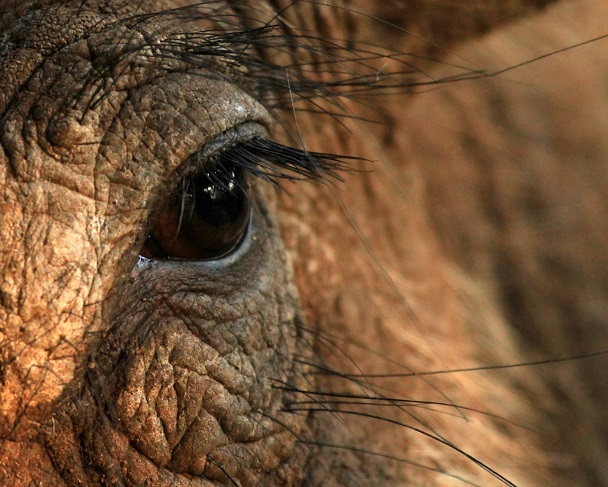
[219,201]
[205,219]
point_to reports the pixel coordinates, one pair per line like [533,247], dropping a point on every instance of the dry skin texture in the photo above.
[301,357]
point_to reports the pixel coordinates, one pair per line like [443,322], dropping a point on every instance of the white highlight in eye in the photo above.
[141,264]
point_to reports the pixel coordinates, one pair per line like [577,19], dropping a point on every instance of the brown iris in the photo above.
[205,219]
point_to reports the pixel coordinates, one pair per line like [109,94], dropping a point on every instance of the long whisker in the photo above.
[426,434]
[393,458]
[473,369]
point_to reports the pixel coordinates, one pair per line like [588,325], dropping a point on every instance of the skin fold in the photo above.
[436,318]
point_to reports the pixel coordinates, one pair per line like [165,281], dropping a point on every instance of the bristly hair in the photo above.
[280,66]
[319,71]
[319,74]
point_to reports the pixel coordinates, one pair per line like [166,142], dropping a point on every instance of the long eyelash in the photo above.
[274,162]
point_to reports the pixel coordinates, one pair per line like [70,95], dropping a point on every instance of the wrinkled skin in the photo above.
[299,358]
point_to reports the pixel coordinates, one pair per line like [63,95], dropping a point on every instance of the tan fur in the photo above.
[410,262]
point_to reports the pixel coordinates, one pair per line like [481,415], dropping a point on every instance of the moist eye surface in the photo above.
[205,218]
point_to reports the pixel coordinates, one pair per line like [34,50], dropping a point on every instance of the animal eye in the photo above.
[205,219]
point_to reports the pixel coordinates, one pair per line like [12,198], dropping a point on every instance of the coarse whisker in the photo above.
[479,368]
[428,435]
[366,386]
[211,460]
[394,458]
[289,388]
[327,338]
[384,401]
[321,340]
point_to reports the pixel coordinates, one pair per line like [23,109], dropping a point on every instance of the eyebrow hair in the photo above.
[321,72]
[281,66]
[214,40]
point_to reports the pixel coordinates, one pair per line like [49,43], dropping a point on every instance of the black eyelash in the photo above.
[274,162]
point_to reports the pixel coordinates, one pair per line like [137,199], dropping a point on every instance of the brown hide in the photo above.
[438,318]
